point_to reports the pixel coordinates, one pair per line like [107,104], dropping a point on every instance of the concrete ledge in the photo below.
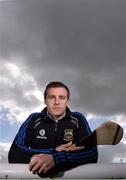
[88,171]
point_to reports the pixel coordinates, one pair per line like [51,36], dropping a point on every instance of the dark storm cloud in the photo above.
[81,42]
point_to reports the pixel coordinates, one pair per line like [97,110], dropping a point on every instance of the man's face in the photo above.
[56,101]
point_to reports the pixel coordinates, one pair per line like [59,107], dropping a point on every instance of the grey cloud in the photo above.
[14,89]
[4,153]
[65,31]
[17,94]
[109,153]
[4,156]
[80,42]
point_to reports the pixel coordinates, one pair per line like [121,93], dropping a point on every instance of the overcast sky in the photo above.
[79,42]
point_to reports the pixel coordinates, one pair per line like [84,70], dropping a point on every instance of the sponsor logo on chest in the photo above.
[42,134]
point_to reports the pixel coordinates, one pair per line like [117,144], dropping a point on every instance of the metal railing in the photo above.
[88,171]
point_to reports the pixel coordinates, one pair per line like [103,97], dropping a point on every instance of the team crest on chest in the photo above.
[68,134]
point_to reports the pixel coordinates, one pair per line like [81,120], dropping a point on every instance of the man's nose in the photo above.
[57,101]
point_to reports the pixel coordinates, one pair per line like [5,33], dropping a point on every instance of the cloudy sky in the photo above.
[79,42]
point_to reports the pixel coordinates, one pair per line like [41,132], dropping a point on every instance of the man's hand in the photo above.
[69,147]
[41,163]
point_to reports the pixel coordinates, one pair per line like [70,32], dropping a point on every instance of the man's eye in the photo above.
[62,97]
[51,97]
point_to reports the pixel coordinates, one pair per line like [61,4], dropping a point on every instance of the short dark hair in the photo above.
[55,84]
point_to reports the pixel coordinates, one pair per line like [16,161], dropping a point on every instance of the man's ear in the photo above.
[44,101]
[68,102]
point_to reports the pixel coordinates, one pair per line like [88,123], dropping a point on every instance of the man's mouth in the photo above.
[56,108]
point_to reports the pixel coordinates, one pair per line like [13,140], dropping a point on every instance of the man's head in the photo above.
[56,97]
[56,84]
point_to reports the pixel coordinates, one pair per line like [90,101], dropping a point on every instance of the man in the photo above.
[46,139]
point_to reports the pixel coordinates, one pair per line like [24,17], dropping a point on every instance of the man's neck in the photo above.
[57,118]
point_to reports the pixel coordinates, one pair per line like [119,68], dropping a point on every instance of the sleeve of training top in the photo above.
[75,158]
[20,150]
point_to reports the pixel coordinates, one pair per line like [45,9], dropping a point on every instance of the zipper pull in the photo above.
[56,126]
